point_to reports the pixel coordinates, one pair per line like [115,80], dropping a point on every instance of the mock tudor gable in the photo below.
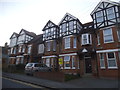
[106,13]
[69,25]
[50,31]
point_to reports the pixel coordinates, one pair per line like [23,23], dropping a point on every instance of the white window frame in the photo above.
[67,42]
[108,35]
[111,59]
[73,62]
[118,33]
[66,60]
[48,62]
[102,60]
[75,42]
[88,38]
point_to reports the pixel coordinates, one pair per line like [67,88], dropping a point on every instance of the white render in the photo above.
[13,41]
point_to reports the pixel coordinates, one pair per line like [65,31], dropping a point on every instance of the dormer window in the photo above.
[69,25]
[86,39]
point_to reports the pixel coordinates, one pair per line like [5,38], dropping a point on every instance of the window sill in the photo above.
[112,67]
[73,68]
[67,68]
[108,42]
[102,67]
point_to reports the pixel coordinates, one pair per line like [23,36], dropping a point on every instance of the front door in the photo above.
[88,65]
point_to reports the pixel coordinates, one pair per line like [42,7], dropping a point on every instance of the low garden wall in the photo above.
[57,76]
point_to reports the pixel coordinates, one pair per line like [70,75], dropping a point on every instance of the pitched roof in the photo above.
[47,25]
[107,1]
[28,33]
[14,33]
[67,14]
[38,38]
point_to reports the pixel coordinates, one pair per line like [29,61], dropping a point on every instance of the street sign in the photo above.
[60,61]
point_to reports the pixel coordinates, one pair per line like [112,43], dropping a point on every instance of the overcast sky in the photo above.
[32,15]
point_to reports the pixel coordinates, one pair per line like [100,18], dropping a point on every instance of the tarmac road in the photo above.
[10,83]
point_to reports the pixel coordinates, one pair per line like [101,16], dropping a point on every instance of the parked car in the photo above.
[30,68]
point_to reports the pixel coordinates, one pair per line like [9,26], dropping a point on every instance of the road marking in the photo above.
[28,84]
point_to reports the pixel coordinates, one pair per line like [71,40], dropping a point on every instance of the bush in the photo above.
[71,76]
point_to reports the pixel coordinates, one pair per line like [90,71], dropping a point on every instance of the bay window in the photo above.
[86,39]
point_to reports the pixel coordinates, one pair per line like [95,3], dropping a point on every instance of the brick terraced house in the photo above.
[92,48]
[106,18]
[19,47]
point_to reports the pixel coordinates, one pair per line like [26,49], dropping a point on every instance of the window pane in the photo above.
[71,25]
[48,46]
[74,42]
[101,55]
[111,55]
[64,28]
[112,63]
[102,64]
[110,13]
[67,42]
[108,37]
[67,61]
[99,16]
[67,58]
[107,31]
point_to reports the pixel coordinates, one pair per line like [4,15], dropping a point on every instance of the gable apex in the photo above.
[49,24]
[14,34]
[104,1]
[69,15]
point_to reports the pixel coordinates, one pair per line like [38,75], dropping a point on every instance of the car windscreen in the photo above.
[38,65]
[29,65]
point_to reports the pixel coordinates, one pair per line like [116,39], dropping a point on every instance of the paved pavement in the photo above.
[86,82]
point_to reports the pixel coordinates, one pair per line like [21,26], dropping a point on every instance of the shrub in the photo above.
[71,76]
